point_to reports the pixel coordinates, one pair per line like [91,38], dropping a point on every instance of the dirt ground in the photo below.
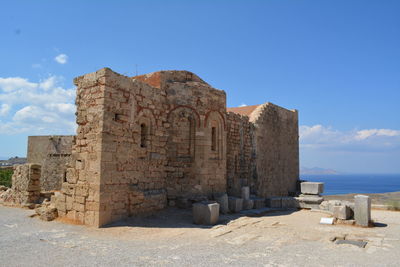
[290,238]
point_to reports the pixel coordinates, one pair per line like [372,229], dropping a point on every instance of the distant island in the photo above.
[317,171]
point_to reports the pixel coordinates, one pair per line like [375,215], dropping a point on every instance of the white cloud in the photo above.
[364,134]
[61,107]
[61,58]
[242,105]
[4,109]
[15,83]
[321,137]
[48,83]
[42,107]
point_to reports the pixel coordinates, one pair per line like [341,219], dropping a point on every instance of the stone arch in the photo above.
[145,127]
[185,107]
[214,125]
[214,113]
[181,133]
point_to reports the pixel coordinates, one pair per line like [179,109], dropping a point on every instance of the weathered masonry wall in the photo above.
[133,154]
[141,141]
[80,198]
[53,154]
[148,141]
[277,150]
[196,132]
[25,184]
[240,168]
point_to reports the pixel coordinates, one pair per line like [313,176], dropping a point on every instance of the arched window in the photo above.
[213,138]
[143,135]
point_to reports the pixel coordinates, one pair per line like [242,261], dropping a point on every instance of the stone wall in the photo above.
[240,168]
[140,141]
[53,154]
[196,129]
[25,185]
[277,150]
[147,141]
[80,198]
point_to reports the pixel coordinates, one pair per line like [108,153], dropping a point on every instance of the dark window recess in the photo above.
[213,139]
[65,177]
[143,135]
[117,117]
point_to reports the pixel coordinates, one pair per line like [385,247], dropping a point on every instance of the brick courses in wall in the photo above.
[143,142]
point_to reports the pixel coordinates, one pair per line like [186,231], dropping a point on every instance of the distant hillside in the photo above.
[316,170]
[12,161]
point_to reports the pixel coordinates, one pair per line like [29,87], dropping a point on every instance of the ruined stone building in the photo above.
[149,141]
[52,153]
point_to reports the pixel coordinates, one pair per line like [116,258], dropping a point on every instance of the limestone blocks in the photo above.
[222,200]
[205,213]
[259,203]
[245,192]
[235,204]
[25,184]
[312,188]
[274,202]
[310,197]
[342,212]
[248,203]
[289,203]
[362,210]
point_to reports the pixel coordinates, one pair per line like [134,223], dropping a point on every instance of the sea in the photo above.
[336,184]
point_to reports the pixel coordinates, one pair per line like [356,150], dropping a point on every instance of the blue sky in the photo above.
[337,62]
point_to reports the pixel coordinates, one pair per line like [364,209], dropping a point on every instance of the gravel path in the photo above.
[169,238]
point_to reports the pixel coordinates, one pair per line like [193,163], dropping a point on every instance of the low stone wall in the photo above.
[25,185]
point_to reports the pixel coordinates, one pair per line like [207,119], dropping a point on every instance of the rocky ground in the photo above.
[292,238]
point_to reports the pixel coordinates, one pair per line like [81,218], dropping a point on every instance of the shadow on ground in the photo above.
[182,218]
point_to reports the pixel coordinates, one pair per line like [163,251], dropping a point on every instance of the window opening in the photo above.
[143,135]
[213,139]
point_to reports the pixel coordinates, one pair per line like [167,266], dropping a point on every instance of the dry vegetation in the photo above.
[5,177]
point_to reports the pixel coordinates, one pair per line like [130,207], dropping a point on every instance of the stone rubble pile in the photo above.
[346,212]
[25,192]
[47,211]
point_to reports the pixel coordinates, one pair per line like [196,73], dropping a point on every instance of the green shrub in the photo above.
[5,177]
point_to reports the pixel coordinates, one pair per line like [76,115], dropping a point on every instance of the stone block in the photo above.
[289,203]
[245,192]
[274,202]
[235,204]
[327,221]
[342,212]
[312,188]
[205,213]
[362,210]
[222,200]
[248,204]
[310,199]
[259,203]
